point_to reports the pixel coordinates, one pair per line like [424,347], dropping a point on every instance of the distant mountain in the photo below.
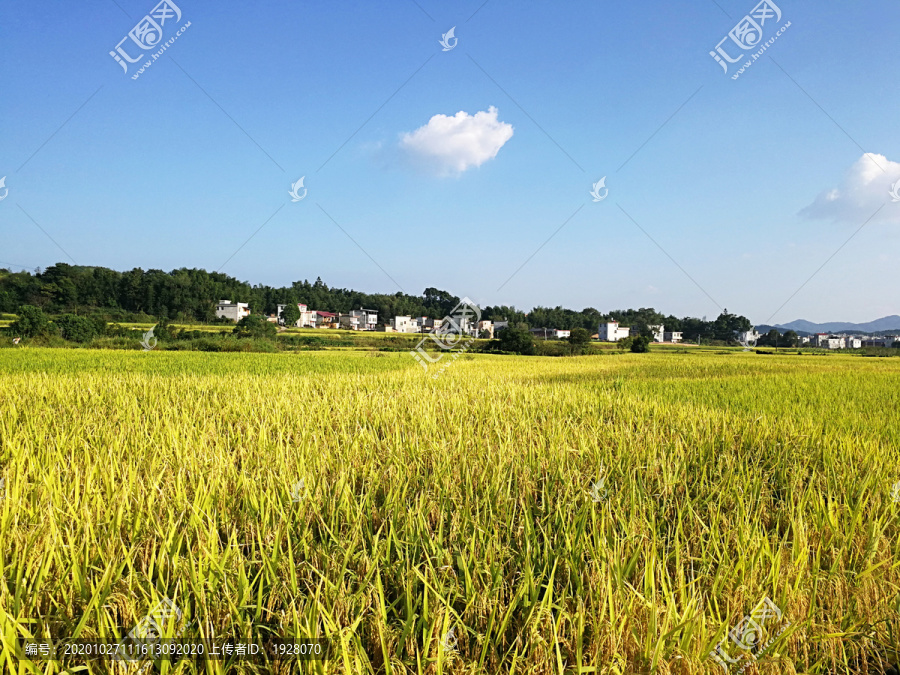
[882,324]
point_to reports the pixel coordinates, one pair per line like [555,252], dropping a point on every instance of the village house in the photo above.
[886,341]
[551,333]
[486,328]
[610,331]
[831,342]
[366,319]
[749,337]
[307,317]
[235,311]
[458,324]
[348,322]
[426,324]
[403,324]
[658,333]
[326,320]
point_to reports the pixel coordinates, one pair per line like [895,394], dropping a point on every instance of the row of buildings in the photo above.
[367,319]
[611,331]
[361,319]
[608,331]
[832,341]
[844,341]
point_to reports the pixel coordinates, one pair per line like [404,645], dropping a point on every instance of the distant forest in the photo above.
[190,295]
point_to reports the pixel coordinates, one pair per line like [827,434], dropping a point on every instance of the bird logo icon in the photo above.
[450,642]
[600,185]
[297,491]
[295,190]
[598,491]
[149,342]
[895,191]
[446,38]
[748,340]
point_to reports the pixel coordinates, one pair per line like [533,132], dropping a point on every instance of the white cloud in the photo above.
[865,187]
[450,145]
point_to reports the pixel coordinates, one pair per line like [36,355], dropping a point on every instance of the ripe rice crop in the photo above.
[467,503]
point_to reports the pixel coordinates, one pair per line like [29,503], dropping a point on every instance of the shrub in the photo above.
[640,344]
[80,328]
[31,321]
[579,340]
[255,326]
[517,341]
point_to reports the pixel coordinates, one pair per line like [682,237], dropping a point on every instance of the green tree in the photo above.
[163,330]
[579,339]
[696,330]
[255,326]
[640,344]
[290,314]
[516,340]
[771,339]
[30,321]
[77,328]
[641,328]
[726,326]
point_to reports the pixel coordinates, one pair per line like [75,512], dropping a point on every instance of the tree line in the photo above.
[190,295]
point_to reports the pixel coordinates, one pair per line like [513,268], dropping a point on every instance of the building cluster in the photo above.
[845,341]
[830,340]
[367,320]
[608,331]
[611,331]
[356,319]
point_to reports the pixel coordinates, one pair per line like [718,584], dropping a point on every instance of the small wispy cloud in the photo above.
[866,186]
[451,145]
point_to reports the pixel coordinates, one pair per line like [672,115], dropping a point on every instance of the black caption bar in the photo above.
[178,649]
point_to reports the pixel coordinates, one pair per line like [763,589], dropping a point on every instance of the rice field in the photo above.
[604,514]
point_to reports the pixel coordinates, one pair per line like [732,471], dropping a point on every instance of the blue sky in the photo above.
[746,186]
